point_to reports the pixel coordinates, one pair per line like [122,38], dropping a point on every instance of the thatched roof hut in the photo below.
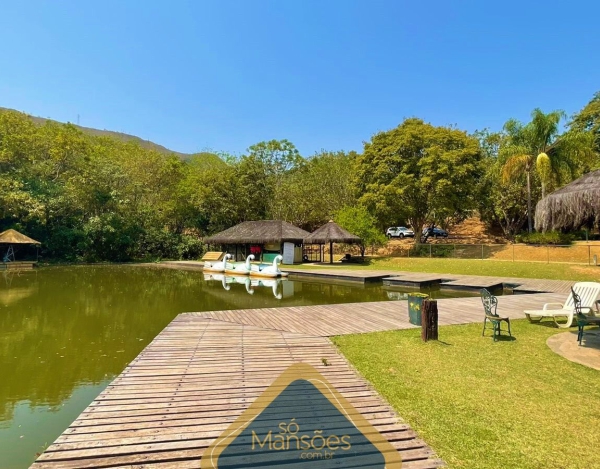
[331,232]
[259,232]
[575,205]
[14,237]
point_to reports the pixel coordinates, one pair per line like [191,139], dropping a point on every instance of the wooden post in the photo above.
[331,252]
[429,320]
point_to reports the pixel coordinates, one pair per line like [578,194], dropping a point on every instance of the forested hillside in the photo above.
[110,133]
[90,197]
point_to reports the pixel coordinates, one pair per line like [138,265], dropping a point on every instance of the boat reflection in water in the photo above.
[281,288]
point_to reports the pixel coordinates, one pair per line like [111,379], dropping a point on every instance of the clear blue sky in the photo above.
[323,74]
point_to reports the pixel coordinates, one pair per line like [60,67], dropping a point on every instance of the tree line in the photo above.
[91,198]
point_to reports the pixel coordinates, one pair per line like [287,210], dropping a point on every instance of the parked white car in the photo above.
[399,232]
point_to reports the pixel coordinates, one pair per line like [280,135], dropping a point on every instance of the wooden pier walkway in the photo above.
[192,382]
[356,318]
[459,281]
[413,279]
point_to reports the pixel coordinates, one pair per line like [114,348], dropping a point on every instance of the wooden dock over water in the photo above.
[204,369]
[18,265]
[192,382]
[402,278]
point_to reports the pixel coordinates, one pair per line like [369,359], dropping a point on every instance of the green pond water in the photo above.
[66,332]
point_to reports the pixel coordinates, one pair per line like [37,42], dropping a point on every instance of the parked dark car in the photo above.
[435,232]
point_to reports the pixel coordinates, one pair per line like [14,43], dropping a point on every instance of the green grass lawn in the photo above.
[480,404]
[481,267]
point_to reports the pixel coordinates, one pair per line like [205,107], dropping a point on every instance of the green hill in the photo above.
[118,135]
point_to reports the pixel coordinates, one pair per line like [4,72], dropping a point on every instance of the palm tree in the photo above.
[538,146]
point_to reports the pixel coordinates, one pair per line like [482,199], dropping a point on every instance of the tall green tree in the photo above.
[357,220]
[278,156]
[312,193]
[416,170]
[501,203]
[264,171]
[538,147]
[588,121]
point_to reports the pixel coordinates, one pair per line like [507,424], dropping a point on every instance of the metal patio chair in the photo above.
[490,306]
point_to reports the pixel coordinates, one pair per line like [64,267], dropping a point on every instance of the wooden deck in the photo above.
[356,318]
[196,378]
[18,265]
[396,277]
[415,280]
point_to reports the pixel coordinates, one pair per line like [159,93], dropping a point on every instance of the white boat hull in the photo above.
[268,271]
[216,266]
[261,274]
[238,270]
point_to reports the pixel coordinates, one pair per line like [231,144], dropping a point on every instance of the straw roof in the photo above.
[571,207]
[14,237]
[259,232]
[331,232]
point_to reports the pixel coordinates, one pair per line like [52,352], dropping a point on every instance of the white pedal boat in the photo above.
[219,266]
[268,270]
[239,268]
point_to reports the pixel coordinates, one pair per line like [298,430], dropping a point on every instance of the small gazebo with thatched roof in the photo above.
[11,238]
[331,233]
[575,205]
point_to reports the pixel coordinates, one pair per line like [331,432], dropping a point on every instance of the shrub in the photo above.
[550,237]
[190,247]
[582,235]
[437,250]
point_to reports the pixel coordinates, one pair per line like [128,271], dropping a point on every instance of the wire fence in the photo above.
[588,254]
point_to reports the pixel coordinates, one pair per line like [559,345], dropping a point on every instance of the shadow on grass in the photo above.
[357,260]
[552,325]
[444,343]
[503,338]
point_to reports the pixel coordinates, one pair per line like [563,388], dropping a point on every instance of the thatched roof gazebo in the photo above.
[331,233]
[575,205]
[259,232]
[265,238]
[13,237]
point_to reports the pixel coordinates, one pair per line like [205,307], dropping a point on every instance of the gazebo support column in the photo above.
[331,252]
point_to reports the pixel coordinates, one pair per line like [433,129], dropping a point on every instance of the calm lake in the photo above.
[66,332]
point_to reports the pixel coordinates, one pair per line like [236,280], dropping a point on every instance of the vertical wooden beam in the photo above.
[331,252]
[429,320]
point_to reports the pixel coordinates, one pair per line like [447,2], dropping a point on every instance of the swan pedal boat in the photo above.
[241,268]
[268,271]
[217,266]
